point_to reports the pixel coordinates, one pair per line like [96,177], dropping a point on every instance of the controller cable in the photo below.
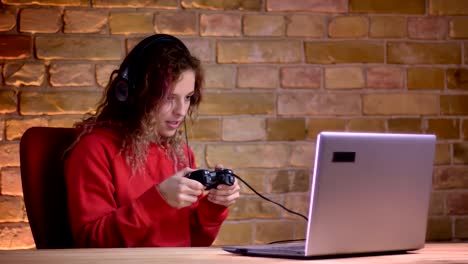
[246,184]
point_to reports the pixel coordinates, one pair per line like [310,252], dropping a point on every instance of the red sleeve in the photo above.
[95,219]
[205,220]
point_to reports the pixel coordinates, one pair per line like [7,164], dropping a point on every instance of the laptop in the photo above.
[369,193]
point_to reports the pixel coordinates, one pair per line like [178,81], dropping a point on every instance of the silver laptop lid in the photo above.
[370,192]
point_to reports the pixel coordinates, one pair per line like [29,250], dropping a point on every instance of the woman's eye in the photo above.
[188,97]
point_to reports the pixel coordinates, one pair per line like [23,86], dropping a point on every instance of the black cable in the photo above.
[251,188]
[271,201]
[186,142]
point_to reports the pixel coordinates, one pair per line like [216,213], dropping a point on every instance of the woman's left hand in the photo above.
[224,194]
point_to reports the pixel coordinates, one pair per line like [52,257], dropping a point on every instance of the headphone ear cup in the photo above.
[121,90]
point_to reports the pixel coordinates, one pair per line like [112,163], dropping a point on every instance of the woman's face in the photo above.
[176,104]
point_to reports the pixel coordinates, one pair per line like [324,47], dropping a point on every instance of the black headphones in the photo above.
[125,83]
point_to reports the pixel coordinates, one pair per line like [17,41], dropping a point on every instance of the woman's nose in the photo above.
[180,107]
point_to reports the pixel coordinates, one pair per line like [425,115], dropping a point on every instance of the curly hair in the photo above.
[158,69]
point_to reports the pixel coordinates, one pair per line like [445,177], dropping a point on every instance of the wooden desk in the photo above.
[431,254]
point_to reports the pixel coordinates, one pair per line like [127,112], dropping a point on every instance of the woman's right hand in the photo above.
[179,191]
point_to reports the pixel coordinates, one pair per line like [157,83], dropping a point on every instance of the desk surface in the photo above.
[430,254]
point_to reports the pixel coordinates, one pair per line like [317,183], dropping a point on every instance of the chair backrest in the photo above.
[43,181]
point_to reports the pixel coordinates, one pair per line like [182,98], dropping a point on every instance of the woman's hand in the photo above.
[224,194]
[179,191]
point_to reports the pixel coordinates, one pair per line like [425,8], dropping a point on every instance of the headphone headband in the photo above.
[126,79]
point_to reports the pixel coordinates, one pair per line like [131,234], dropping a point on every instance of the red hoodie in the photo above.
[110,208]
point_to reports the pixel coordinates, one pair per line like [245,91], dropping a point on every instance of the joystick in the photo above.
[211,179]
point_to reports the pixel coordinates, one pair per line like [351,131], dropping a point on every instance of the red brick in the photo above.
[385,77]
[299,104]
[222,104]
[241,5]
[219,76]
[439,229]
[298,203]
[404,125]
[326,6]
[247,207]
[302,155]
[450,178]
[204,49]
[285,129]
[243,129]
[70,102]
[71,75]
[427,28]
[251,51]
[425,78]
[456,203]
[394,6]
[7,21]
[165,4]
[85,21]
[457,78]
[290,181]
[460,153]
[301,77]
[448,7]
[131,23]
[317,125]
[437,203]
[312,26]
[344,77]
[459,28]
[263,25]
[16,128]
[16,236]
[247,77]
[443,154]
[444,128]
[388,27]
[453,104]
[2,130]
[274,155]
[103,73]
[67,121]
[15,47]
[204,129]
[24,74]
[348,27]
[344,52]
[229,25]
[423,53]
[11,209]
[234,233]
[256,178]
[8,101]
[11,182]
[78,48]
[461,228]
[271,231]
[177,23]
[47,2]
[400,104]
[9,155]
[40,20]
[366,125]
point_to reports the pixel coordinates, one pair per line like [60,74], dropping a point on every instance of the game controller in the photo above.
[211,179]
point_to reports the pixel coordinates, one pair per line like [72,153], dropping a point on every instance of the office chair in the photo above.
[43,181]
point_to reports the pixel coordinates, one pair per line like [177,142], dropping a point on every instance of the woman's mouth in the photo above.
[173,124]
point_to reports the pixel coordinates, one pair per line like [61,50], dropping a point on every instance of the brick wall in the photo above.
[278,72]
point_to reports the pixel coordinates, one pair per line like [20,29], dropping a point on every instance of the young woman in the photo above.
[126,173]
